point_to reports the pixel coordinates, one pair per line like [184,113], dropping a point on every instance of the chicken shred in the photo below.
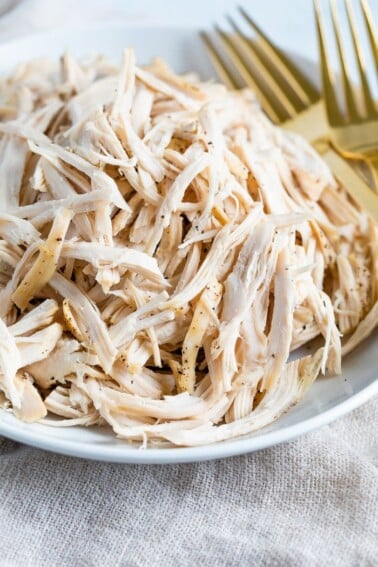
[164,248]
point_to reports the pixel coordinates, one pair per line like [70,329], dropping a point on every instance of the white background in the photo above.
[290,22]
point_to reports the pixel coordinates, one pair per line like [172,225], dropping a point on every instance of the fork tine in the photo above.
[286,99]
[297,80]
[372,34]
[368,99]
[220,66]
[334,115]
[228,76]
[349,94]
[269,105]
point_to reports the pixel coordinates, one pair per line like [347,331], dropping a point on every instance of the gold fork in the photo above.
[286,95]
[283,90]
[353,132]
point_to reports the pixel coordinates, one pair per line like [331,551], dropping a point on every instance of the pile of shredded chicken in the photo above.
[163,250]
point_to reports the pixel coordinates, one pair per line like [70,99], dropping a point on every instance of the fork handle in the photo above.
[373,167]
[352,182]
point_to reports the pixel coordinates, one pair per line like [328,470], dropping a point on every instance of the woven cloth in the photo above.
[311,502]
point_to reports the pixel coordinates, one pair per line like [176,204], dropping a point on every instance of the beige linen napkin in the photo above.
[311,502]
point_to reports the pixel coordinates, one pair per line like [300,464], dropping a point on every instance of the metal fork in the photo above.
[285,94]
[354,131]
[283,90]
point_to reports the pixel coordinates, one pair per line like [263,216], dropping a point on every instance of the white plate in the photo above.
[328,399]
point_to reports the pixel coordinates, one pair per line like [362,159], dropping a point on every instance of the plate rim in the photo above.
[100,26]
[173,455]
[177,455]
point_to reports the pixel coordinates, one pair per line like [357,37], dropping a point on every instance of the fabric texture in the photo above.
[311,502]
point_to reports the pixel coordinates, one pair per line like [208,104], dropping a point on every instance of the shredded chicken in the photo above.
[163,250]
